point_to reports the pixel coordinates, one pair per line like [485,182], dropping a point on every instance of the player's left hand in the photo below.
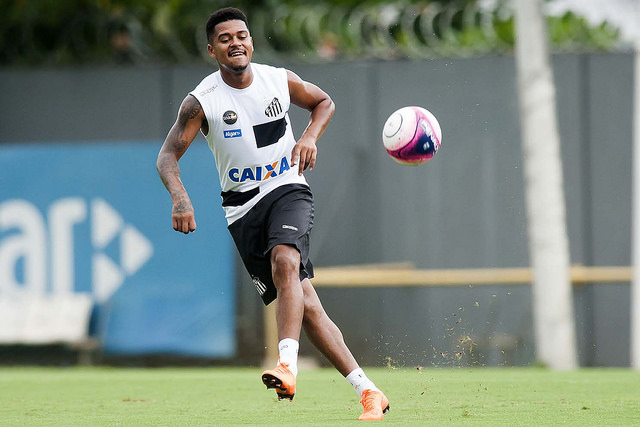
[304,154]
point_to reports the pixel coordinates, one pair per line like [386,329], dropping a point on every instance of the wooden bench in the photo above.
[29,319]
[405,274]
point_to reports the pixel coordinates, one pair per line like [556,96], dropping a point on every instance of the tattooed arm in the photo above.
[182,133]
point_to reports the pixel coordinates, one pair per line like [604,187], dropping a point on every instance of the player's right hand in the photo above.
[183,217]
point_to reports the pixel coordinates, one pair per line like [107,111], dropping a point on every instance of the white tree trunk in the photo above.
[546,222]
[635,286]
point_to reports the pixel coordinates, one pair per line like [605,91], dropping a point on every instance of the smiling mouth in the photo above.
[236,53]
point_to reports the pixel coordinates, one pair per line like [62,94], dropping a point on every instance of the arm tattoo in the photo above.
[167,168]
[175,145]
[195,111]
[189,109]
[182,204]
[181,145]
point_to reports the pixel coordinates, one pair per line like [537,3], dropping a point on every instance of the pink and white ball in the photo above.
[412,135]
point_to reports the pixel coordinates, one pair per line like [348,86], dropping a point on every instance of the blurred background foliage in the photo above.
[64,32]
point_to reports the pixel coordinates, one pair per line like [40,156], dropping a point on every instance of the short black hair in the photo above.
[223,15]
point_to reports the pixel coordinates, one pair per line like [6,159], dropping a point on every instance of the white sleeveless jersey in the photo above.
[250,136]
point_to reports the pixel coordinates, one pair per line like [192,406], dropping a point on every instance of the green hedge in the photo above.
[59,32]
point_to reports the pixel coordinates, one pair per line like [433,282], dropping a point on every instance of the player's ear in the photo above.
[212,53]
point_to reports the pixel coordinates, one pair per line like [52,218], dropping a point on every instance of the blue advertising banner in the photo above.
[94,219]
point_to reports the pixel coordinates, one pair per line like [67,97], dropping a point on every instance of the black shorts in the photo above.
[282,217]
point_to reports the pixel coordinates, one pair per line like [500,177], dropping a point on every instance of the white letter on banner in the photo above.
[29,244]
[63,214]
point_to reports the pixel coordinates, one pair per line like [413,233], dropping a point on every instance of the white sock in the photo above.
[360,382]
[288,353]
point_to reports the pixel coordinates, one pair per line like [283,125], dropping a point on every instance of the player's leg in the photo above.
[324,334]
[287,226]
[250,234]
[285,268]
[328,339]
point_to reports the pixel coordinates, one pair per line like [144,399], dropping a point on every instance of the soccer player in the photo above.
[242,110]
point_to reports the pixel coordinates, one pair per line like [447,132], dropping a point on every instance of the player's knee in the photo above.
[285,261]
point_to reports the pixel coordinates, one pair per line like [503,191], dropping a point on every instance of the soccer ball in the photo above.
[412,135]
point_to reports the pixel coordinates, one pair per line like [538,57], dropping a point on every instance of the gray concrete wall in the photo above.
[464,209]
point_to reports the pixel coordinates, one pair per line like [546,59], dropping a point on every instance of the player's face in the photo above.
[231,46]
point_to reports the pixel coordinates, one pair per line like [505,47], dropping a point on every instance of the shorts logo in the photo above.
[233,133]
[289,227]
[260,173]
[260,287]
[230,117]
[274,108]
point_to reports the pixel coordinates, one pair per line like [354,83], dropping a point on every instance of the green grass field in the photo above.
[236,396]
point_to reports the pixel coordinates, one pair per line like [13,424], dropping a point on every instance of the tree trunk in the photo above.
[546,222]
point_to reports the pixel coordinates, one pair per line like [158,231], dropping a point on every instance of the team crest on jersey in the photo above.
[274,108]
[230,117]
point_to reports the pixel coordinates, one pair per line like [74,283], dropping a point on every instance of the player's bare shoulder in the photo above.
[294,81]
[305,94]
[190,108]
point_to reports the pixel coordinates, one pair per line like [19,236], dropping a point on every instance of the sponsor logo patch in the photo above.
[232,133]
[260,173]
[230,117]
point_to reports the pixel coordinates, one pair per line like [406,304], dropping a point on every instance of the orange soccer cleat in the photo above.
[282,379]
[374,405]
